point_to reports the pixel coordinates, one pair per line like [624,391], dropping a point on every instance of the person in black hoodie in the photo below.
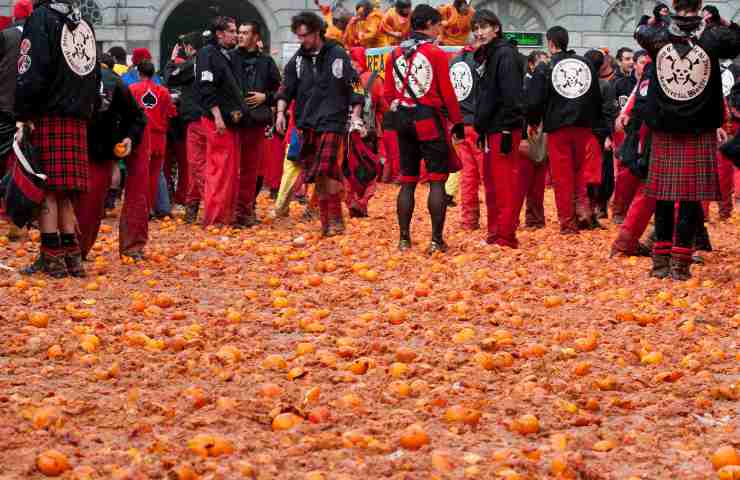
[685,113]
[565,95]
[259,79]
[219,96]
[180,75]
[118,119]
[321,80]
[56,95]
[499,119]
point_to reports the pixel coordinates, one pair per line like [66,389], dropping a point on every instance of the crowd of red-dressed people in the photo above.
[645,134]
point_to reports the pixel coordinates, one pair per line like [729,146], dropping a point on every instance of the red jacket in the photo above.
[156,102]
[429,80]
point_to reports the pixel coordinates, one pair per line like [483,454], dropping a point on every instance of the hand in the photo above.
[126,142]
[621,122]
[608,144]
[458,132]
[281,124]
[175,52]
[255,99]
[533,131]
[220,125]
[721,136]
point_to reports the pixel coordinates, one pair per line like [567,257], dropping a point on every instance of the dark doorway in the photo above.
[196,15]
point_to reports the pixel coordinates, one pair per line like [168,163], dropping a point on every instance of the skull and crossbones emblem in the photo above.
[571,78]
[79,49]
[683,77]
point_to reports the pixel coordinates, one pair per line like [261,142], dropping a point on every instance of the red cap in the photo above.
[22,9]
[140,54]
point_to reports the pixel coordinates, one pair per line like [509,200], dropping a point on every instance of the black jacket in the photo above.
[118,117]
[465,76]
[180,77]
[256,72]
[686,94]
[216,84]
[10,40]
[499,105]
[622,89]
[324,85]
[564,95]
[59,73]
[605,126]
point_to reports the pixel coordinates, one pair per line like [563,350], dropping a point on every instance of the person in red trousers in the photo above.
[533,166]
[259,80]
[219,96]
[465,76]
[499,119]
[156,102]
[626,184]
[120,120]
[565,95]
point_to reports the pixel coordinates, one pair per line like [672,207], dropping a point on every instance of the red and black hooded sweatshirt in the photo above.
[58,71]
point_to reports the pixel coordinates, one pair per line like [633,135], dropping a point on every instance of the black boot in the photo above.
[681,260]
[661,266]
[702,241]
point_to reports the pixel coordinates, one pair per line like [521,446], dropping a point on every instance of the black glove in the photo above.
[505,143]
[458,131]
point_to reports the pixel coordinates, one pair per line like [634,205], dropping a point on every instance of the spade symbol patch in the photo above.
[149,100]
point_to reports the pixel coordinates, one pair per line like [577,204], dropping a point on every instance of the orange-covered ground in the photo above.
[273,354]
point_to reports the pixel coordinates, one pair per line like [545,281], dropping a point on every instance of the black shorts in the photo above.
[422,135]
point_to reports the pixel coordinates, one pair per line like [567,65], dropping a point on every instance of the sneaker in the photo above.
[73,261]
[52,265]
[191,213]
[404,244]
[661,266]
[436,246]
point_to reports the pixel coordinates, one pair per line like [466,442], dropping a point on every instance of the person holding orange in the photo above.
[396,23]
[456,19]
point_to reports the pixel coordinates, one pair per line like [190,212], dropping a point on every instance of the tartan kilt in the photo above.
[683,167]
[322,154]
[63,150]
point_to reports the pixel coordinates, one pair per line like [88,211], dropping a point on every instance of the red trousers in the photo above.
[255,151]
[158,148]
[222,168]
[196,161]
[272,167]
[90,205]
[625,188]
[503,197]
[638,217]
[726,185]
[356,201]
[566,148]
[177,155]
[471,178]
[532,178]
[592,169]
[134,225]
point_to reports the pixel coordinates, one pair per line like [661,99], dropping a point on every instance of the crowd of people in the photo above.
[644,134]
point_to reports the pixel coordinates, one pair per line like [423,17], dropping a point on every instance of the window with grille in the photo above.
[91,11]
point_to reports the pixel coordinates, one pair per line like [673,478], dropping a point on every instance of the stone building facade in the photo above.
[156,23]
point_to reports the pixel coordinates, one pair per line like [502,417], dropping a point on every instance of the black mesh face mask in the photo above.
[687,25]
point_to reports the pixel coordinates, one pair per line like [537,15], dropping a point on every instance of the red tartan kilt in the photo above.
[63,150]
[683,167]
[322,154]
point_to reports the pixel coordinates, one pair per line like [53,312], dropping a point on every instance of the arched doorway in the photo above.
[195,16]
